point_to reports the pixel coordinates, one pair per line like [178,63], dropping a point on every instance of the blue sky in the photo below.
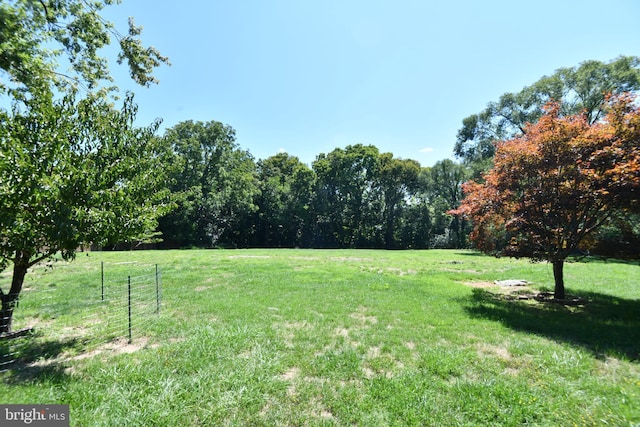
[306,77]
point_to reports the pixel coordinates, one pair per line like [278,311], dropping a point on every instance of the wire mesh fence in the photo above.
[101,303]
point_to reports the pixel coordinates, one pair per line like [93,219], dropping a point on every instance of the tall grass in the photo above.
[310,337]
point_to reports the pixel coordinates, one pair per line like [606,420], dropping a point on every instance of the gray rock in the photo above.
[511,282]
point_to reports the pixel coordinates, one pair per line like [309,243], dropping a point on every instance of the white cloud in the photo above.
[426,150]
[282,150]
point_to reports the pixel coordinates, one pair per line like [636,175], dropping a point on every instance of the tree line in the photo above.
[353,197]
[358,197]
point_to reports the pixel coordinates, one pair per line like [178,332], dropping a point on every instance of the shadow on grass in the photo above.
[29,359]
[605,325]
[607,260]
[471,253]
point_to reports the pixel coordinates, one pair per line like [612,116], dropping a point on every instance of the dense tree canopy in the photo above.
[447,178]
[352,197]
[578,89]
[397,181]
[214,181]
[551,188]
[283,203]
[344,197]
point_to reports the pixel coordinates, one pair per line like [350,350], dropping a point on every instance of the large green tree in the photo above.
[416,225]
[215,183]
[345,201]
[73,167]
[445,185]
[364,198]
[284,202]
[397,180]
[578,89]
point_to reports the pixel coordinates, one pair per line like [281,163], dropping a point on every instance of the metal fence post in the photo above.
[102,277]
[129,292]
[157,290]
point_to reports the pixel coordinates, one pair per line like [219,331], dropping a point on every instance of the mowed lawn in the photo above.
[337,337]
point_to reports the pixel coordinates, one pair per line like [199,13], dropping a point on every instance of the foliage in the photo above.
[397,182]
[447,178]
[364,198]
[38,35]
[577,89]
[619,237]
[351,197]
[416,213]
[555,185]
[345,201]
[73,168]
[214,179]
[69,178]
[74,172]
[284,202]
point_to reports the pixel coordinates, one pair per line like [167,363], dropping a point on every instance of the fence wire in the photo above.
[108,302]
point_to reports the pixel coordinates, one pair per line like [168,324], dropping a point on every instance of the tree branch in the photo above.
[46,11]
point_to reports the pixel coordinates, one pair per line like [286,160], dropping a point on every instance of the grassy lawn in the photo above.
[335,337]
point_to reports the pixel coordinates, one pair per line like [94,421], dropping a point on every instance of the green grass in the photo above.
[337,337]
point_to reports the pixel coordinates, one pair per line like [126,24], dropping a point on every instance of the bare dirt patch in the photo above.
[373,352]
[364,319]
[519,291]
[341,332]
[119,346]
[368,373]
[391,270]
[480,284]
[319,411]
[548,297]
[297,325]
[494,351]
[325,414]
[249,257]
[287,330]
[305,258]
[349,258]
[361,315]
[291,374]
[401,272]
[511,371]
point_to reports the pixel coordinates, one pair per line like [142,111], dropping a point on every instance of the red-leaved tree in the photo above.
[560,181]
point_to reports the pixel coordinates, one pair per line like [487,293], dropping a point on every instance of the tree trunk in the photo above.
[10,300]
[388,232]
[558,266]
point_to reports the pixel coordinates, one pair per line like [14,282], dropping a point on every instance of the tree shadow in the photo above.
[606,260]
[32,360]
[471,253]
[605,325]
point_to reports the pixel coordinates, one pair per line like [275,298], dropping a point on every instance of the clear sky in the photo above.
[307,76]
